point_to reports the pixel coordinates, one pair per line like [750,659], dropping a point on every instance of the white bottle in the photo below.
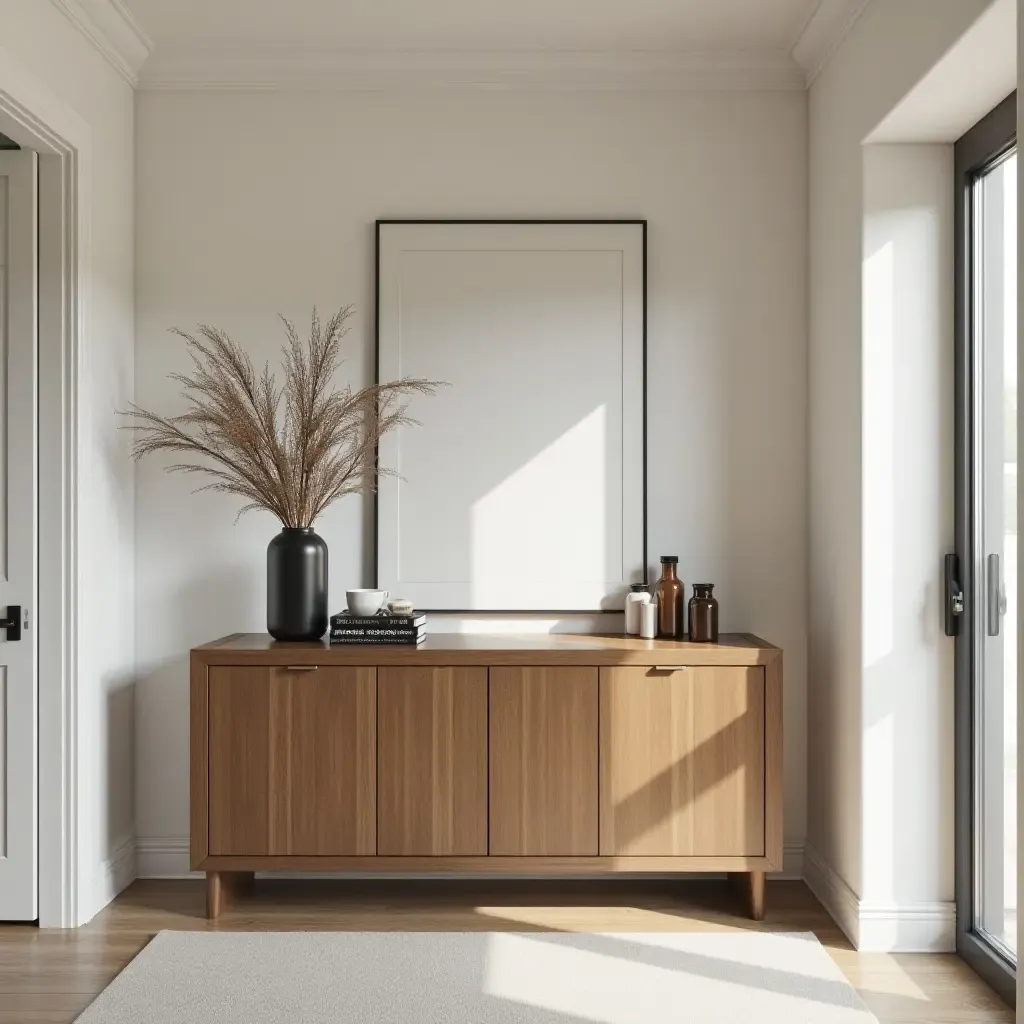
[649,620]
[638,595]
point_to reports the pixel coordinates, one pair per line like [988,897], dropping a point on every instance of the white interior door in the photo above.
[19,795]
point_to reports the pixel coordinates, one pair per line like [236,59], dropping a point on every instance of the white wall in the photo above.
[907,502]
[259,203]
[880,754]
[49,50]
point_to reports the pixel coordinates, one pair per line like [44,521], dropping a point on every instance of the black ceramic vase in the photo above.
[297,585]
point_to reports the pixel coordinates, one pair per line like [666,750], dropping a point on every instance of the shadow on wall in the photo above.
[119,730]
[201,609]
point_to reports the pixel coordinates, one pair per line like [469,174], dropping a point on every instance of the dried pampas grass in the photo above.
[293,449]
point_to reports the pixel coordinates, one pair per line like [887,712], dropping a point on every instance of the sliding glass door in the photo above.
[982,581]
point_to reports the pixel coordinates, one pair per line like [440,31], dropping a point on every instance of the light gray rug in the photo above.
[479,978]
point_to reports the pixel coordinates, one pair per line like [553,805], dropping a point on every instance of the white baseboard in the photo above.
[833,893]
[880,927]
[792,861]
[164,858]
[117,872]
[168,858]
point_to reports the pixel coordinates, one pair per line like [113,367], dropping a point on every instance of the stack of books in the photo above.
[378,629]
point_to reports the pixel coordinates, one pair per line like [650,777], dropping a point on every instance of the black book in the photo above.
[410,641]
[383,630]
[344,620]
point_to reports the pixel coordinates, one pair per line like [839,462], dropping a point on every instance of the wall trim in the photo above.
[118,870]
[833,893]
[112,30]
[258,68]
[792,861]
[823,33]
[168,857]
[34,118]
[880,927]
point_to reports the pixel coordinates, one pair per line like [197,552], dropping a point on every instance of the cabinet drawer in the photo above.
[292,758]
[683,762]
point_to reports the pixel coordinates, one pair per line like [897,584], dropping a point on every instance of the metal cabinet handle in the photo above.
[301,668]
[671,668]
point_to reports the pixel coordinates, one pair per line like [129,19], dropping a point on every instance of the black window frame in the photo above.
[983,146]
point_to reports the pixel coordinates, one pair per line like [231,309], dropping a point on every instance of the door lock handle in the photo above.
[955,603]
[996,595]
[12,623]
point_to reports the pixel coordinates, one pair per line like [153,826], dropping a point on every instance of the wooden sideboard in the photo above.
[486,754]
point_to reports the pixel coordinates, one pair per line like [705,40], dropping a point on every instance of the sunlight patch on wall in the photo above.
[528,528]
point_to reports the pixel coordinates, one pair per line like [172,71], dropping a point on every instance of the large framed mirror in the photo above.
[523,487]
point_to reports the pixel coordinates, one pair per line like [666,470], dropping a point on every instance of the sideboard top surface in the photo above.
[496,649]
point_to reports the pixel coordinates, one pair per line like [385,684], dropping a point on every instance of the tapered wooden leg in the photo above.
[750,885]
[222,887]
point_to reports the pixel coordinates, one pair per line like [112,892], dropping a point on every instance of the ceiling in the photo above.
[591,25]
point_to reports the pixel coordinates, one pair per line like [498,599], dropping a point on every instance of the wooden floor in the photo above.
[48,977]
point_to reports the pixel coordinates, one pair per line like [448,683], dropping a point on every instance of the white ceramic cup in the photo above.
[365,602]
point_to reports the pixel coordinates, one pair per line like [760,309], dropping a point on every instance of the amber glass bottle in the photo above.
[703,615]
[669,593]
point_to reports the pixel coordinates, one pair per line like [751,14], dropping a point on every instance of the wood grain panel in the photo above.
[543,761]
[292,761]
[682,762]
[432,761]
[646,787]
[241,788]
[773,841]
[199,753]
[728,761]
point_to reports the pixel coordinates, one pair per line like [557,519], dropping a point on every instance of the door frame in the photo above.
[992,136]
[32,117]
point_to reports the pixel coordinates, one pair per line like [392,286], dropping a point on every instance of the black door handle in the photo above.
[12,623]
[954,596]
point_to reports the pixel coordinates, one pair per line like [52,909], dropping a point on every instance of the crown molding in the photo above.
[110,27]
[322,69]
[823,33]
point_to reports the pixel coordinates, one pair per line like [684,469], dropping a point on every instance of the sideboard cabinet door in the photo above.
[432,762]
[683,762]
[292,761]
[543,762]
